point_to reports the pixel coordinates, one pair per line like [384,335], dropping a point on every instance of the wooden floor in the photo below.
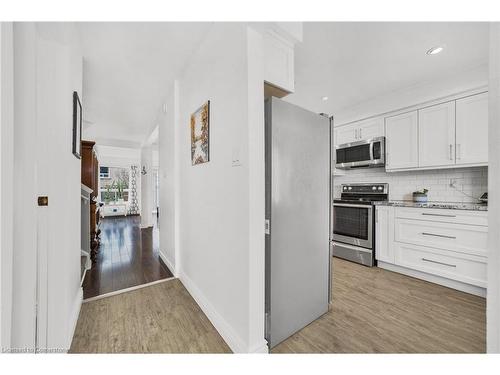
[162,318]
[378,311]
[128,256]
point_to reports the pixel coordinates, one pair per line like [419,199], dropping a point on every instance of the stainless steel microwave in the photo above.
[367,153]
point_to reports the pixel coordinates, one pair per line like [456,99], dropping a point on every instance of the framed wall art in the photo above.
[77,126]
[200,134]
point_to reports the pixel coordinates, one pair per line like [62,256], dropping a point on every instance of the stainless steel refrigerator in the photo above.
[297,218]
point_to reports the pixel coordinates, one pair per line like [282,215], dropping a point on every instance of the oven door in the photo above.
[353,224]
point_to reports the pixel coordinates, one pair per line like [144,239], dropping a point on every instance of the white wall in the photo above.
[25,214]
[168,173]
[123,157]
[471,181]
[6,180]
[219,249]
[420,93]
[48,65]
[493,296]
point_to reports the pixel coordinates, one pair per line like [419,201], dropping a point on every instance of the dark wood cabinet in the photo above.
[90,178]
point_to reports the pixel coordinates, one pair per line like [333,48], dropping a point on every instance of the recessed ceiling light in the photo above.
[324,98]
[434,50]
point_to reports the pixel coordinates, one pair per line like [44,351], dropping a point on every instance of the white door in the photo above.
[384,234]
[472,129]
[401,140]
[371,128]
[346,134]
[436,127]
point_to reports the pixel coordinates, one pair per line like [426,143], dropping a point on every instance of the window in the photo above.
[104,172]
[113,185]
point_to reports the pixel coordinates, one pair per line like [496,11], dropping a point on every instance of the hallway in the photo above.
[128,256]
[161,318]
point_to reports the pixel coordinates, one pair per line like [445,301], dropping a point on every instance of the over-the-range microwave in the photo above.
[367,153]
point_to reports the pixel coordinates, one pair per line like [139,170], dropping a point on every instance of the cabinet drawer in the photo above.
[443,215]
[468,239]
[470,269]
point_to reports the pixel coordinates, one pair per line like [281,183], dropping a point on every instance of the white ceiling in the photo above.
[354,61]
[128,66]
[127,69]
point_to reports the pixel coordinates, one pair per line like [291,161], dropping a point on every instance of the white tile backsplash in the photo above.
[472,182]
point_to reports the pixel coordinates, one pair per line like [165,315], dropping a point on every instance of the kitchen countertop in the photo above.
[435,204]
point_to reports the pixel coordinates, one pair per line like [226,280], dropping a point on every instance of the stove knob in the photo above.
[345,187]
[380,188]
[374,188]
[350,187]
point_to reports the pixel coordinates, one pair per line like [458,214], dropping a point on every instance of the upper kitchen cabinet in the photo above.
[472,129]
[279,61]
[360,130]
[401,141]
[436,140]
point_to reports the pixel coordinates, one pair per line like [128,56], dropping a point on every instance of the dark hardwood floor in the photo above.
[128,256]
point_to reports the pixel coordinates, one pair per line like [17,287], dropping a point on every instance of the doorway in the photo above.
[127,256]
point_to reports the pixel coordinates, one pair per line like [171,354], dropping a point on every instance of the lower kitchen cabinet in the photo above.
[384,234]
[461,267]
[447,247]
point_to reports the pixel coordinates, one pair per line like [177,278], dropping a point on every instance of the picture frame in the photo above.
[200,134]
[77,126]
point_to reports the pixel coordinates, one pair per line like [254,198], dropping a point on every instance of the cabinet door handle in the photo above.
[435,261]
[355,133]
[360,136]
[438,235]
[442,215]
[451,151]
[459,151]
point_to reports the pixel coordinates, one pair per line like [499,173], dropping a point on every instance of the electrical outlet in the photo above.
[453,182]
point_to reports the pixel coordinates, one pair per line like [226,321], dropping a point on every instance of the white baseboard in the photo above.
[232,339]
[262,348]
[168,263]
[77,304]
[453,284]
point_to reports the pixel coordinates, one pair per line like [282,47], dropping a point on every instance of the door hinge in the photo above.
[43,201]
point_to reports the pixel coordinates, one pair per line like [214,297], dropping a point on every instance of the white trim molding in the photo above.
[126,290]
[232,339]
[77,305]
[169,264]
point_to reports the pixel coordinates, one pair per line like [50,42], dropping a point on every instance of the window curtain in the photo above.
[133,204]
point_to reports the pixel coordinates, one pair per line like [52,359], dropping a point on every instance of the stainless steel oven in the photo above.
[353,231]
[353,224]
[367,153]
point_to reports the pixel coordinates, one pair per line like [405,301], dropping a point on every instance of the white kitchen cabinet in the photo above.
[444,246]
[346,134]
[371,128]
[401,143]
[450,265]
[384,234]
[360,130]
[472,129]
[436,140]
[279,62]
[461,238]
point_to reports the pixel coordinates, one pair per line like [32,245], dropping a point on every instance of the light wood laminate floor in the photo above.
[162,318]
[378,311]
